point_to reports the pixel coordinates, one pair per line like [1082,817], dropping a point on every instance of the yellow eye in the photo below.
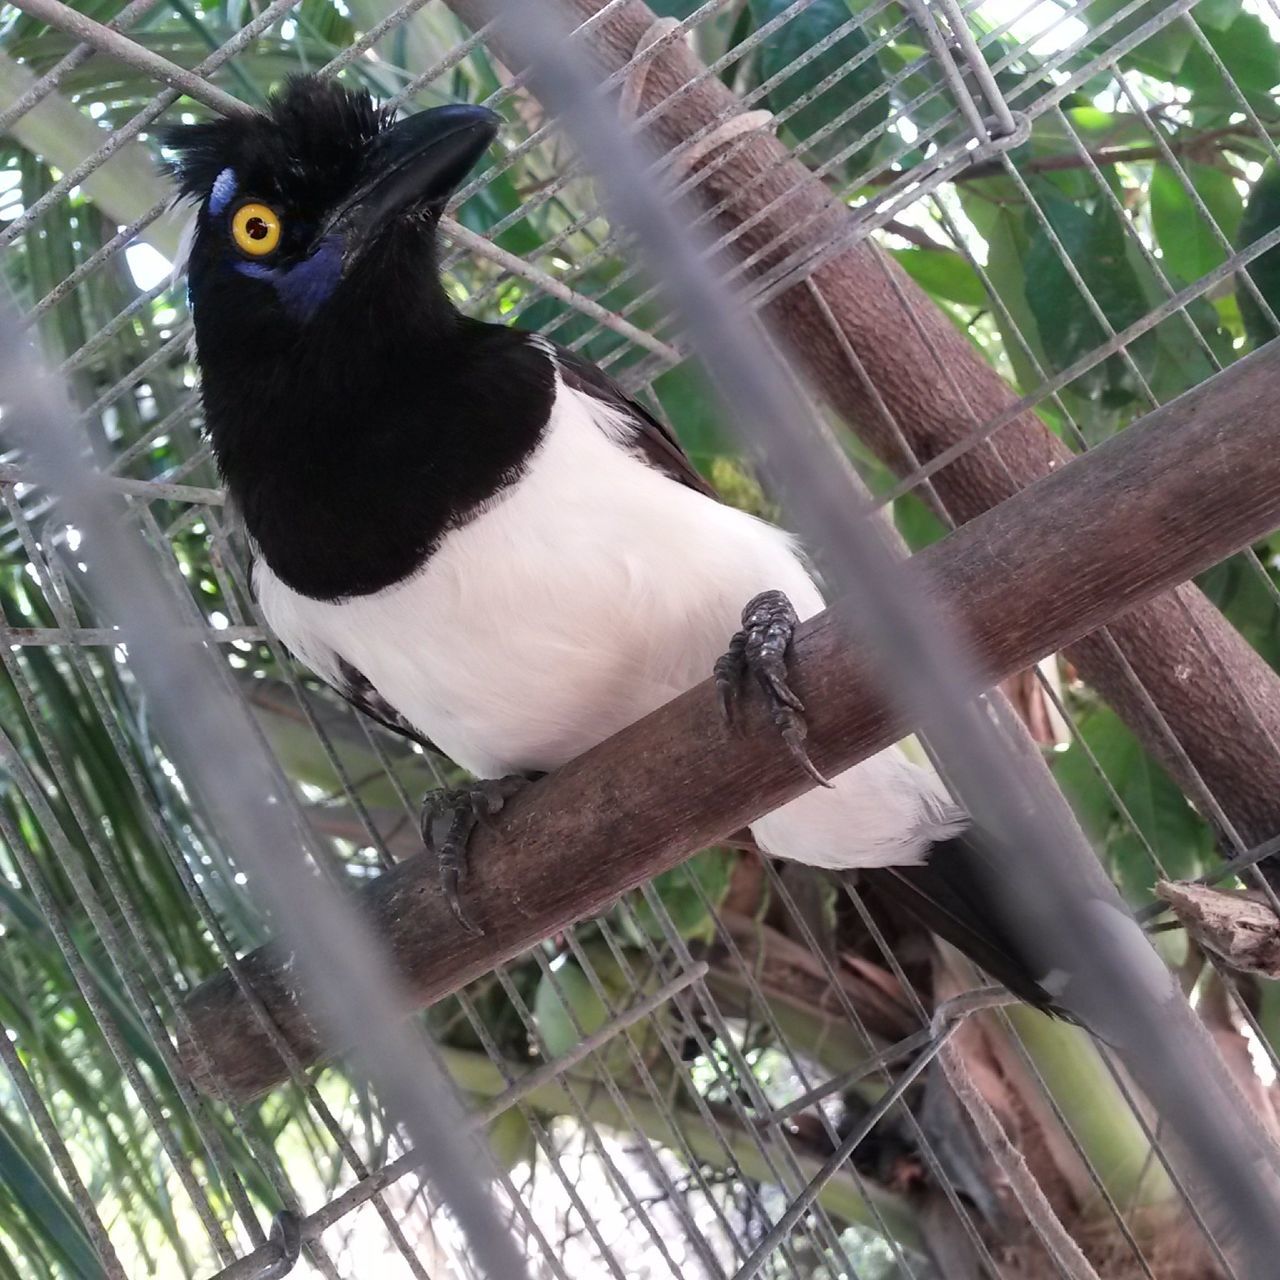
[256,229]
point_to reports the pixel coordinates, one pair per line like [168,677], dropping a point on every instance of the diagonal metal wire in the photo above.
[130,130]
[108,39]
[68,63]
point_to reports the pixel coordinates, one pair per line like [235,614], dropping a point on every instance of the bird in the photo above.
[475,535]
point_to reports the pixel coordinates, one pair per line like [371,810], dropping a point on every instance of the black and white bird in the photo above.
[472,533]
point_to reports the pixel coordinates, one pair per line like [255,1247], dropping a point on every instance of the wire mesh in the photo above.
[1085,190]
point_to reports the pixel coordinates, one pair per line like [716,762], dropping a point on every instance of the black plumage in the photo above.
[348,437]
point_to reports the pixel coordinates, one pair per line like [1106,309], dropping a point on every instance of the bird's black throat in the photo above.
[354,441]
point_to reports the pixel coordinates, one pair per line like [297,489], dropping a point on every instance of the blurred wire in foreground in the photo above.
[1071,916]
[209,734]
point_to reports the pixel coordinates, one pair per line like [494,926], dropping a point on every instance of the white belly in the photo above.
[591,592]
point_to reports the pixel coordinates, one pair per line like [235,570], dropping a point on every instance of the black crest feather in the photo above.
[313,132]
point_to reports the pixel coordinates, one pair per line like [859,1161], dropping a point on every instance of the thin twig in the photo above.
[1106,156]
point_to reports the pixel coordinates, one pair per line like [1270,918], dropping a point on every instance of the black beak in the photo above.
[415,166]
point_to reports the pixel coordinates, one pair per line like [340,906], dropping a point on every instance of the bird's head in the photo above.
[321,206]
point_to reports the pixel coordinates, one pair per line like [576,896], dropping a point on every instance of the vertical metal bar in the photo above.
[354,991]
[977,67]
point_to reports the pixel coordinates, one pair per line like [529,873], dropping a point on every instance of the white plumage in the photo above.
[588,593]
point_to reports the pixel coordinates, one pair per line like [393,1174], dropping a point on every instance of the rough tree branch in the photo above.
[1190,484]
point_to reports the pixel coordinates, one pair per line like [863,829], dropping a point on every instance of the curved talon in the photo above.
[794,738]
[775,684]
[730,670]
[452,860]
[768,624]
[450,888]
[466,808]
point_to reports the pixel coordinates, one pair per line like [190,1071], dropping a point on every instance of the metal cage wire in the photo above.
[673,1145]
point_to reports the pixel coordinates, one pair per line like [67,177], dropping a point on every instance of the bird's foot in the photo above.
[760,649]
[460,810]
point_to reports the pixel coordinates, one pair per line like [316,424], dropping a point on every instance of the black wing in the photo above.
[658,445]
[358,690]
[954,894]
[356,687]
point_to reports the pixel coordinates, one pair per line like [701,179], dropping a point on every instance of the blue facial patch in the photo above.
[306,286]
[256,271]
[222,192]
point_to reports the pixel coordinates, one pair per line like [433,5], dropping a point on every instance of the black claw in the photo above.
[466,808]
[774,683]
[730,672]
[768,624]
[794,735]
[453,896]
[452,860]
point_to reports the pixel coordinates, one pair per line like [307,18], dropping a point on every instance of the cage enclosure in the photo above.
[1002,245]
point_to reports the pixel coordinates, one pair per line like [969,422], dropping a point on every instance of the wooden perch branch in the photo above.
[916,381]
[1174,494]
[1238,927]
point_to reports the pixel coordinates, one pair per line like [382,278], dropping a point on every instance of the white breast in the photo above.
[590,592]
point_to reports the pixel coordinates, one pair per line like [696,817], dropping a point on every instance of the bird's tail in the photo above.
[955,894]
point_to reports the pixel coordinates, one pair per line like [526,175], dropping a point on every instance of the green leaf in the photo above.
[493,202]
[1187,243]
[679,9]
[1177,835]
[566,324]
[1219,14]
[916,522]
[1096,244]
[511,1140]
[1235,586]
[738,487]
[326,22]
[1269,1011]
[1248,50]
[1261,215]
[1102,1120]
[1079,781]
[1163,54]
[918,86]
[944,274]
[989,206]
[567,1007]
[712,869]
[1181,362]
[854,79]
[693,409]
[1160,54]
[30,1181]
[564,1005]
[1249,53]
